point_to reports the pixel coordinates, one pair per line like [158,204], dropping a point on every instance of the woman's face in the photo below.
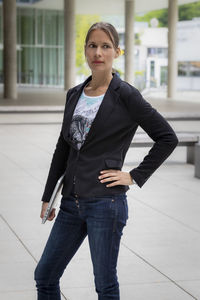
[100,52]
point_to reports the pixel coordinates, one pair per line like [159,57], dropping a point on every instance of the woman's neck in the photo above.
[99,81]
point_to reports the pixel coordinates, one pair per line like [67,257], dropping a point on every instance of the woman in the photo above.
[100,119]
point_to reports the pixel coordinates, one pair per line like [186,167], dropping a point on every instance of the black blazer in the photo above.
[123,108]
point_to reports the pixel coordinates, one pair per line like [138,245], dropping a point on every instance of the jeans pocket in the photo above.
[121,211]
[68,207]
[125,202]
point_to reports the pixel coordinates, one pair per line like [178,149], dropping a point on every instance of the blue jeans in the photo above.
[102,218]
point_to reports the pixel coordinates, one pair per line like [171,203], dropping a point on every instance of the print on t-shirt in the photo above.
[84,114]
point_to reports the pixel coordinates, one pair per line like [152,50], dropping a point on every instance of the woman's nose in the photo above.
[98,51]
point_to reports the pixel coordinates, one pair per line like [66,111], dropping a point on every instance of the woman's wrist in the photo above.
[133,181]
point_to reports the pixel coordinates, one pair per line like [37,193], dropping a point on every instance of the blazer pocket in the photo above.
[113,164]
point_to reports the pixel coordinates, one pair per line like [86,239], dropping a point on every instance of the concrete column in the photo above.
[69,52]
[129,40]
[190,155]
[10,49]
[172,63]
[197,160]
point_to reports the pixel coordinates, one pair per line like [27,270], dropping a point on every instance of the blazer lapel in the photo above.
[106,108]
[70,107]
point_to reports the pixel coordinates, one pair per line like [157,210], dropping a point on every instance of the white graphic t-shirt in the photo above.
[84,114]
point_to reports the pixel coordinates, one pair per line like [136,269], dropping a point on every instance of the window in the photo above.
[195,68]
[26,35]
[189,69]
[152,72]
[157,52]
[40,37]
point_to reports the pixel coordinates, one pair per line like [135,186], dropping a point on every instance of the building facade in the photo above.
[40,51]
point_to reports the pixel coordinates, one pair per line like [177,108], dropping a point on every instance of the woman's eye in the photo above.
[93,45]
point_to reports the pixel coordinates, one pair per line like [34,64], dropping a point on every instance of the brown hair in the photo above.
[108,28]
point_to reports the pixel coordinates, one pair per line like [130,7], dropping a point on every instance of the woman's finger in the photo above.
[113,183]
[52,214]
[109,173]
[109,179]
[43,209]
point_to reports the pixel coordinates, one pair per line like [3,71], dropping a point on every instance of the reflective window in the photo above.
[27,66]
[152,68]
[195,68]
[50,66]
[189,68]
[60,32]
[27,26]
[50,27]
[39,26]
[1,25]
[157,52]
[163,75]
[1,65]
[40,46]
[27,1]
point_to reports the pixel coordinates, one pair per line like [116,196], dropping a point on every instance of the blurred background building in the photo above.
[41,47]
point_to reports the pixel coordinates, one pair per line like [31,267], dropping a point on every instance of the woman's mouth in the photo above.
[97,62]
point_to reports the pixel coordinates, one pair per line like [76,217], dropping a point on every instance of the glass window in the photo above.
[40,57]
[157,52]
[27,26]
[39,22]
[60,32]
[19,66]
[61,66]
[30,67]
[121,38]
[189,68]
[18,26]
[163,75]
[152,72]
[1,65]
[195,68]
[38,66]
[27,1]
[51,27]
[182,68]
[27,65]
[50,66]
[1,25]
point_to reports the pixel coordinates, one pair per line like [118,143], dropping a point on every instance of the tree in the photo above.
[189,11]
[186,12]
[160,14]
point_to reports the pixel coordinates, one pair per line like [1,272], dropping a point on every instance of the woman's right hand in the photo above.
[44,207]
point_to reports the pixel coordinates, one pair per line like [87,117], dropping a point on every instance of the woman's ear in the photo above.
[117,52]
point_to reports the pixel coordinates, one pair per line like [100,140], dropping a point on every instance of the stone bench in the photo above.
[191,141]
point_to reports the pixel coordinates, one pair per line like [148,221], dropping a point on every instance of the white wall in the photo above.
[188,40]
[188,83]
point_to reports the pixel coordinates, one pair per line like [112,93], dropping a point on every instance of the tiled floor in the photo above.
[159,255]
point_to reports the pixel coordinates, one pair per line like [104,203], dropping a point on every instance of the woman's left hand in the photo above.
[119,177]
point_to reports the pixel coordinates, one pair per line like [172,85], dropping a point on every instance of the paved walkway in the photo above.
[159,255]
[186,102]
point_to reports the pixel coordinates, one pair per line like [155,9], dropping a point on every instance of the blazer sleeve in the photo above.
[158,129]
[57,166]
